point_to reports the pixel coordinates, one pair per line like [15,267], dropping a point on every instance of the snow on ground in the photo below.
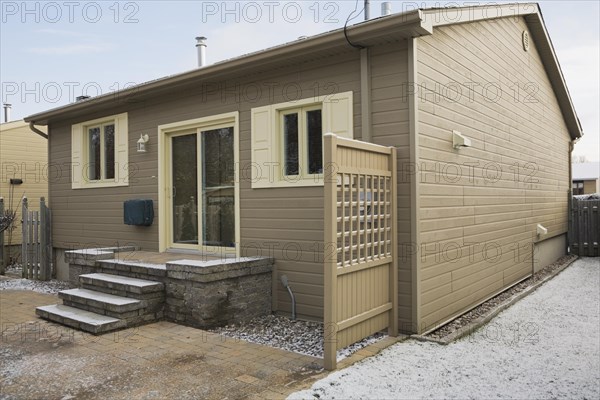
[49,287]
[545,346]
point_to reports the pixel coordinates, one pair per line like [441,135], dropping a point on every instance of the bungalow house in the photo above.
[23,162]
[586,178]
[231,154]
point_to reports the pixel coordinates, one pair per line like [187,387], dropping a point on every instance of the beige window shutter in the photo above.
[121,149]
[263,153]
[77,166]
[338,115]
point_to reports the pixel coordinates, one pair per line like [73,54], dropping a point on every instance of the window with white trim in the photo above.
[99,152]
[287,139]
[302,134]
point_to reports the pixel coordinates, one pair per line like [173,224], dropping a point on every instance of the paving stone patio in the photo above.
[161,360]
[41,359]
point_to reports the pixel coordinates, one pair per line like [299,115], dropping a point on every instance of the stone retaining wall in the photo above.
[203,294]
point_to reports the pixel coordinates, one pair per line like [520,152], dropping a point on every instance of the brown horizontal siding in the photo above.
[286,223]
[479,206]
[390,127]
[94,217]
[290,220]
[287,220]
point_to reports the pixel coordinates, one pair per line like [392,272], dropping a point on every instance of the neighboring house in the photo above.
[23,172]
[234,154]
[586,178]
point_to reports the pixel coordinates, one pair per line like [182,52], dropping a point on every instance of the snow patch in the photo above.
[48,287]
[545,346]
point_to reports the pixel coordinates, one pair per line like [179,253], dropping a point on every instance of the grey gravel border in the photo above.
[484,319]
[299,336]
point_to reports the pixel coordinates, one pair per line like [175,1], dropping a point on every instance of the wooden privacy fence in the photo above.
[360,262]
[36,245]
[3,252]
[7,224]
[584,229]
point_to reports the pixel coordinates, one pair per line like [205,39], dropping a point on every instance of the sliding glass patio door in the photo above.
[203,189]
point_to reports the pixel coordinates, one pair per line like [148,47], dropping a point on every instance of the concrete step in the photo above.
[104,303]
[80,319]
[135,269]
[121,285]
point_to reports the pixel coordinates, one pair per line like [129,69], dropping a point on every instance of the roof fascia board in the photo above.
[407,24]
[461,15]
[542,40]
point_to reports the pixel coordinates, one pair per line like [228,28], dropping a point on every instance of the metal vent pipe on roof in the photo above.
[386,8]
[7,108]
[367,10]
[201,47]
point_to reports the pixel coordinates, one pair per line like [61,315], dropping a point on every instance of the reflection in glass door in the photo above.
[218,188]
[203,211]
[184,167]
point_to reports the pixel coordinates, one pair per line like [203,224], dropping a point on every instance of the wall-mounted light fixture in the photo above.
[458,140]
[141,143]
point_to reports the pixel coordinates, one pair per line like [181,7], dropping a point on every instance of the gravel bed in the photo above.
[13,271]
[490,305]
[48,287]
[304,337]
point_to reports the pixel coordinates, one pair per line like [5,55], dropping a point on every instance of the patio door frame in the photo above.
[165,188]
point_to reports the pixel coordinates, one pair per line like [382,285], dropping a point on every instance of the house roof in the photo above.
[12,125]
[408,24]
[586,171]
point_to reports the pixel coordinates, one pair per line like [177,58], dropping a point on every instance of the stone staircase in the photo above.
[117,291]
[106,302]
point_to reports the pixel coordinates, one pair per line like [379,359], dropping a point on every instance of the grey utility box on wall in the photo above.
[138,212]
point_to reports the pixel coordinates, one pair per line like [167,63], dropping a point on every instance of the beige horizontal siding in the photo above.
[479,206]
[590,187]
[23,155]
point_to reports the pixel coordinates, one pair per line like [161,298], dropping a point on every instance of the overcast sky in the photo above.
[52,51]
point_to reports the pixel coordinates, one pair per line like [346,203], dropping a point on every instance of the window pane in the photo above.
[290,144]
[109,151]
[218,196]
[94,154]
[217,153]
[315,142]
[185,189]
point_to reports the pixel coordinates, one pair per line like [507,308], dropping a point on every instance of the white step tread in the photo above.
[123,280]
[134,263]
[78,315]
[99,296]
